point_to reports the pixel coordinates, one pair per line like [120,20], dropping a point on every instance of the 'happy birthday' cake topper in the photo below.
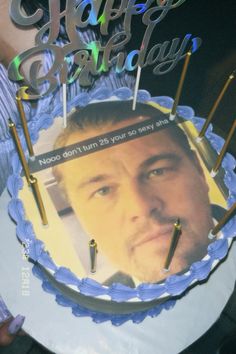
[80,60]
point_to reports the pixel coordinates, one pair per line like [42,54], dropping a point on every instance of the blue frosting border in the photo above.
[174,284]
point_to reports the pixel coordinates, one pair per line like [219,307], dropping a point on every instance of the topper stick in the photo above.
[93,255]
[138,76]
[19,149]
[174,241]
[180,86]
[64,97]
[215,105]
[24,125]
[38,198]
[136,87]
[228,215]
[223,150]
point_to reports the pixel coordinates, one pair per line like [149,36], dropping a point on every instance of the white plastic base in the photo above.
[172,116]
[199,139]
[211,236]
[213,173]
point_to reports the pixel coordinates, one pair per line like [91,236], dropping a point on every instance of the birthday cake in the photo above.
[113,184]
[123,208]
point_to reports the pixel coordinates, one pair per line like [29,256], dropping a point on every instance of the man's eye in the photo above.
[156,172]
[103,191]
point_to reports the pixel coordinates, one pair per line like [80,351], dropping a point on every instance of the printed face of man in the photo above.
[128,197]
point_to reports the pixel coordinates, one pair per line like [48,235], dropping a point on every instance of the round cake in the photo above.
[113,185]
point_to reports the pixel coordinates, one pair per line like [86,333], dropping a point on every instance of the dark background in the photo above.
[214,21]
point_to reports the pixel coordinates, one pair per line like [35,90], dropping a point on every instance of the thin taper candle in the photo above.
[93,255]
[64,99]
[174,242]
[38,198]
[228,215]
[19,149]
[223,150]
[215,105]
[136,88]
[24,125]
[180,86]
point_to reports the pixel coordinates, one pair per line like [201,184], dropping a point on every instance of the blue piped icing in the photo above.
[229,162]
[39,273]
[163,101]
[101,94]
[116,290]
[147,292]
[138,317]
[118,320]
[185,112]
[14,184]
[46,261]
[47,286]
[216,141]
[80,311]
[65,276]
[123,93]
[218,249]
[230,228]
[92,288]
[201,269]
[25,232]
[16,210]
[82,100]
[231,199]
[35,250]
[230,181]
[63,301]
[16,166]
[143,96]
[175,284]
[198,122]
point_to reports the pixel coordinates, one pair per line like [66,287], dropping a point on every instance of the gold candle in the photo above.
[174,241]
[180,86]
[38,198]
[93,255]
[228,215]
[24,125]
[223,151]
[19,148]
[215,105]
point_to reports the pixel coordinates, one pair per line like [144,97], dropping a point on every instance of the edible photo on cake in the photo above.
[115,182]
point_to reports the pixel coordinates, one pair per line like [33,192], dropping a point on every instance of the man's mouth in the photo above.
[162,231]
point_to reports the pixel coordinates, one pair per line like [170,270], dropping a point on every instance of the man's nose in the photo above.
[141,203]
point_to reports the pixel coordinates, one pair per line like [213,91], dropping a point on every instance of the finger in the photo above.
[5,337]
[10,329]
[8,320]
[16,324]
